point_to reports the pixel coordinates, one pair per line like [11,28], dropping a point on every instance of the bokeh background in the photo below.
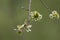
[12,14]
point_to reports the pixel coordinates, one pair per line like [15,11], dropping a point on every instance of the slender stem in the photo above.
[29,8]
[45,5]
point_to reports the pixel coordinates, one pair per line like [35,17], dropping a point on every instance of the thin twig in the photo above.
[29,8]
[45,5]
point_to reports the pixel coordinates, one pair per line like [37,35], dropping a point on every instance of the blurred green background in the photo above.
[11,14]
